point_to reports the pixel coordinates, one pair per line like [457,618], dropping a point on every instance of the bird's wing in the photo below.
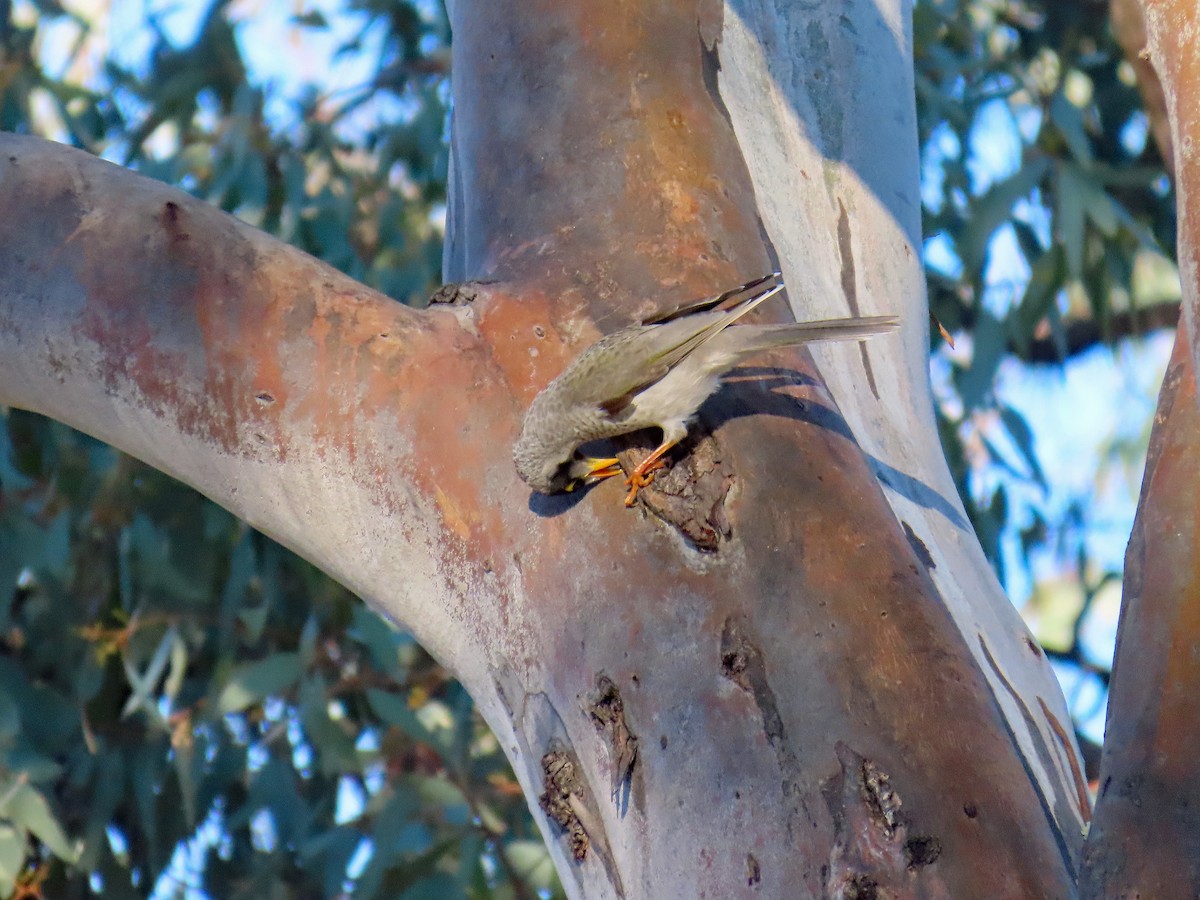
[648,352]
[709,302]
[599,382]
[676,339]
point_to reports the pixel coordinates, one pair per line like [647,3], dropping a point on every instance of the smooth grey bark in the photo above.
[823,104]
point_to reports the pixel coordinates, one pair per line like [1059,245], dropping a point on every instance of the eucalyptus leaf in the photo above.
[24,806]
[1069,120]
[253,683]
[12,857]
[1069,218]
[975,382]
[1046,279]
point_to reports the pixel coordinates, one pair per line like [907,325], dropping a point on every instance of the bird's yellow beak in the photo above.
[589,470]
[601,469]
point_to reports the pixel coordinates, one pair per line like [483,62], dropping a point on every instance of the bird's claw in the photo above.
[641,477]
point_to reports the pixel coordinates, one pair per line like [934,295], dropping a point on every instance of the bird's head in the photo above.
[553,474]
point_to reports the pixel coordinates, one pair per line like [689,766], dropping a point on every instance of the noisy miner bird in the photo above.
[653,375]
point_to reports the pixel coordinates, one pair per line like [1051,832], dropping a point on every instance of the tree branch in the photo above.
[1082,335]
[264,378]
[1148,809]
[1142,841]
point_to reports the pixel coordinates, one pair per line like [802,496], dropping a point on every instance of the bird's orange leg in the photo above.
[644,473]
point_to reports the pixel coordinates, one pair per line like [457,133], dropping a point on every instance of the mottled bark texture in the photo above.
[759,685]
[1145,838]
[1172,46]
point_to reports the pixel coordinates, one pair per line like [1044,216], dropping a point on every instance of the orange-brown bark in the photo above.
[1145,837]
[826,621]
[1173,46]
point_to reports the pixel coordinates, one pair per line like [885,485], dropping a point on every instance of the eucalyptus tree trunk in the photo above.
[1145,841]
[791,672]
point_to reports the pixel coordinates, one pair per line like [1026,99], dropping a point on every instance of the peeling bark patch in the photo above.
[873,854]
[458,293]
[918,547]
[607,712]
[561,782]
[753,871]
[690,495]
[922,851]
[1064,740]
[1067,850]
[883,800]
[850,285]
[859,887]
[742,663]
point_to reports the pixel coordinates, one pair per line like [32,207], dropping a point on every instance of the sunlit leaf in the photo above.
[994,208]
[253,683]
[1046,278]
[12,857]
[25,807]
[1069,120]
[532,862]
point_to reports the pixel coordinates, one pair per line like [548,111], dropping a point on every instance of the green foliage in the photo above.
[169,675]
[1085,206]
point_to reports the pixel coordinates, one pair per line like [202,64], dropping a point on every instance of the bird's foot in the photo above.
[640,477]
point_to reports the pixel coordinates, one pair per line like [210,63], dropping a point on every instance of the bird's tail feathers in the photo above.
[747,339]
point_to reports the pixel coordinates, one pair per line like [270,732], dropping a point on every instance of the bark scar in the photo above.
[918,547]
[742,663]
[172,216]
[561,785]
[753,871]
[874,854]
[457,293]
[850,285]
[690,494]
[567,800]
[606,709]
